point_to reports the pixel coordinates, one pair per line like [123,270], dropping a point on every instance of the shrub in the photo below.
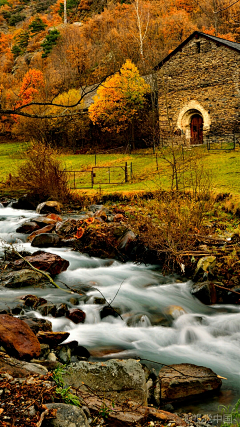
[170,224]
[42,173]
[14,19]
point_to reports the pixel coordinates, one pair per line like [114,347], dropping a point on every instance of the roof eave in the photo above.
[179,47]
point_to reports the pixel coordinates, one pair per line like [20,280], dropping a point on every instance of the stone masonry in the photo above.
[200,77]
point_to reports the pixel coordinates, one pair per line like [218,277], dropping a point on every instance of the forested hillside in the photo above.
[41,57]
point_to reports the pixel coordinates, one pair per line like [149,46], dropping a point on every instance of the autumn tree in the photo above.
[119,101]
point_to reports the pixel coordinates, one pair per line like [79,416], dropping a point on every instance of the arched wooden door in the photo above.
[196,129]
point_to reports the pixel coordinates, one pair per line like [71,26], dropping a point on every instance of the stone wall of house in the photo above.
[204,77]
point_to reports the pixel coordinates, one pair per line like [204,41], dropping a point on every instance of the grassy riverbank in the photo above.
[146,171]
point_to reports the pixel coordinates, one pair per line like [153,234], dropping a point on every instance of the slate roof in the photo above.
[196,34]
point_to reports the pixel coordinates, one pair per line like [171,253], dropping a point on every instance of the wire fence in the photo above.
[104,169]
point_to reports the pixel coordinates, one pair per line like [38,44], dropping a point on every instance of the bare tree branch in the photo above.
[19,110]
[225,8]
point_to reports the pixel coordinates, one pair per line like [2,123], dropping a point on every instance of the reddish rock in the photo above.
[76,315]
[17,338]
[46,229]
[45,261]
[55,217]
[185,380]
[52,338]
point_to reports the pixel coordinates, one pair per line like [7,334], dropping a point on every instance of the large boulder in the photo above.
[179,382]
[116,380]
[45,261]
[26,202]
[66,416]
[17,338]
[49,207]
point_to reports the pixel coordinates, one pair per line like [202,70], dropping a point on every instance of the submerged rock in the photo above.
[172,312]
[107,310]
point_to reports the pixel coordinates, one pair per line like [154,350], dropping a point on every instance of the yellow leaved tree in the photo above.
[119,101]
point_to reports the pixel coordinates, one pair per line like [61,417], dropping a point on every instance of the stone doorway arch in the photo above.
[185,122]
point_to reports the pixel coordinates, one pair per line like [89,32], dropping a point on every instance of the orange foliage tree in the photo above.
[119,100]
[31,84]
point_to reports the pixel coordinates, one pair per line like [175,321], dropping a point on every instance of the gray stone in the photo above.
[18,368]
[27,227]
[64,354]
[45,240]
[25,277]
[66,416]
[117,380]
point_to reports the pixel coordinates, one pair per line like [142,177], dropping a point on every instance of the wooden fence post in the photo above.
[126,172]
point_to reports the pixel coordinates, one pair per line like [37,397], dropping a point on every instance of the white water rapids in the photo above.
[205,335]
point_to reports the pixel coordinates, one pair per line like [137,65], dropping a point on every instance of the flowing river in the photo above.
[203,335]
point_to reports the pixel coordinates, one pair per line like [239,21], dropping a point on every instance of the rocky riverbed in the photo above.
[105,233]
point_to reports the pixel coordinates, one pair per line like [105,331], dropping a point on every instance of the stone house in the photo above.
[199,89]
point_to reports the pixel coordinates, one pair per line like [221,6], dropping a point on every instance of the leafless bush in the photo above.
[42,173]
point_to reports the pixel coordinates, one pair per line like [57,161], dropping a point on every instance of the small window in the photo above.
[198,47]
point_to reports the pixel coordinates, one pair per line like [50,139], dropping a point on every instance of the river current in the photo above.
[204,335]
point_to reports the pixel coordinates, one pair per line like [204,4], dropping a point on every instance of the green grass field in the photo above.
[145,171]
